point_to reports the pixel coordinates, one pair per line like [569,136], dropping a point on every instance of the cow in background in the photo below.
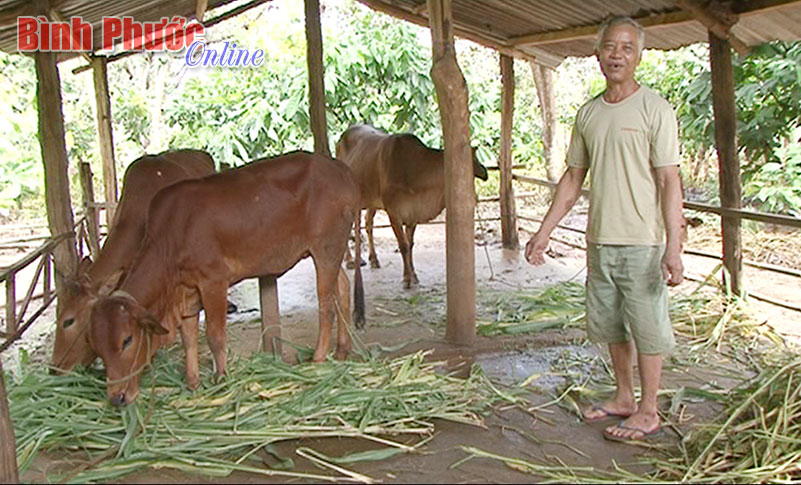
[203,235]
[401,175]
[143,178]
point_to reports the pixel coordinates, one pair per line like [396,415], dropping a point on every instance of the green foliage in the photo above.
[21,170]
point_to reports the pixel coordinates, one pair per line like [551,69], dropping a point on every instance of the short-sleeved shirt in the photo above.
[621,144]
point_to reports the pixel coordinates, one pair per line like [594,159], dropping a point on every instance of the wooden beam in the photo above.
[9,472]
[729,164]
[459,189]
[719,23]
[56,16]
[484,39]
[54,157]
[508,210]
[314,58]
[105,134]
[590,31]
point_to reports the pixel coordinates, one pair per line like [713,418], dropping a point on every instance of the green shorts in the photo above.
[627,297]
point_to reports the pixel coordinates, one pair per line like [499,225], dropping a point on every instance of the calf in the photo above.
[143,178]
[401,175]
[203,235]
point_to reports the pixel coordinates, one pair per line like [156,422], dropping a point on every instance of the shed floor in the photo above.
[416,317]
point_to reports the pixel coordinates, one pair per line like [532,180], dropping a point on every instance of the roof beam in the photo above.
[717,21]
[648,21]
[473,34]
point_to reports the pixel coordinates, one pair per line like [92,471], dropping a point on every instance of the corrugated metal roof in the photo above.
[556,29]
[92,11]
[545,30]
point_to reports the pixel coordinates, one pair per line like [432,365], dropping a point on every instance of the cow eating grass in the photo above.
[143,178]
[203,235]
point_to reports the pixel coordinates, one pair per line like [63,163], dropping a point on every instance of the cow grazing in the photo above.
[203,235]
[143,178]
[401,175]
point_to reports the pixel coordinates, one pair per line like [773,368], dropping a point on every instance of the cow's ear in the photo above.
[111,282]
[150,324]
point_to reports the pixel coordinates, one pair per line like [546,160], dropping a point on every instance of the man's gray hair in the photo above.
[621,20]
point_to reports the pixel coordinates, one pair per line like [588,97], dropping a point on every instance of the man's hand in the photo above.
[535,248]
[672,268]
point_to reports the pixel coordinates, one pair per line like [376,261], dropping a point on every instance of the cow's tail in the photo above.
[358,284]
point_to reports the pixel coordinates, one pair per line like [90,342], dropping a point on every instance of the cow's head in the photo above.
[71,346]
[123,333]
[479,170]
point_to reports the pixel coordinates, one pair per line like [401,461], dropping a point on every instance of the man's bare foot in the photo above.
[636,427]
[607,409]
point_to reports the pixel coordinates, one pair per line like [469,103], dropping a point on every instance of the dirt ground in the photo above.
[408,320]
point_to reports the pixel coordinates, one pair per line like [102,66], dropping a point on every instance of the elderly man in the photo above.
[627,139]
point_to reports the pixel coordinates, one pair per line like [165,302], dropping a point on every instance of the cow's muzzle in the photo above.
[118,399]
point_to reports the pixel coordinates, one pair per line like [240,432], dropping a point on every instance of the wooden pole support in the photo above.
[92,220]
[459,189]
[270,319]
[508,209]
[314,58]
[105,135]
[8,448]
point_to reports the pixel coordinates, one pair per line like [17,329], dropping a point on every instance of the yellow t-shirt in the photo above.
[620,144]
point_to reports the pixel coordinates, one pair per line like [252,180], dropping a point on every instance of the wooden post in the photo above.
[314,58]
[92,223]
[54,157]
[105,135]
[729,163]
[508,210]
[8,448]
[11,303]
[270,320]
[543,80]
[459,190]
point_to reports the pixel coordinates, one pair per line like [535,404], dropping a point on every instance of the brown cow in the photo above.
[143,178]
[401,175]
[203,235]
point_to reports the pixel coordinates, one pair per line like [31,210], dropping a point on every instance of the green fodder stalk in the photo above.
[222,426]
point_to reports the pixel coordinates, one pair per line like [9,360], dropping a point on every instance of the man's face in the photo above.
[618,53]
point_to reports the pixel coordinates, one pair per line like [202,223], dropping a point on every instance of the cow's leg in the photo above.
[368,224]
[342,302]
[410,238]
[188,329]
[356,233]
[326,290]
[214,297]
[403,247]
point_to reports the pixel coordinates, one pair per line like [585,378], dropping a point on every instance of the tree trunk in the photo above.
[729,163]
[54,157]
[508,210]
[8,447]
[551,139]
[459,190]
[314,58]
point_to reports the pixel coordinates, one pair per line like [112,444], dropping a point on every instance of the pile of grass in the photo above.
[229,425]
[757,439]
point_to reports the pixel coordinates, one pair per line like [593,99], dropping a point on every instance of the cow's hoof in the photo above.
[193,384]
[341,354]
[349,265]
[374,264]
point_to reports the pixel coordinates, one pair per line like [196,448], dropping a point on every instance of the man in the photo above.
[627,138]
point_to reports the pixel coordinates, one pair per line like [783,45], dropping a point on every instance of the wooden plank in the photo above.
[54,157]
[459,189]
[92,222]
[270,318]
[314,58]
[507,191]
[8,452]
[105,135]
[728,161]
